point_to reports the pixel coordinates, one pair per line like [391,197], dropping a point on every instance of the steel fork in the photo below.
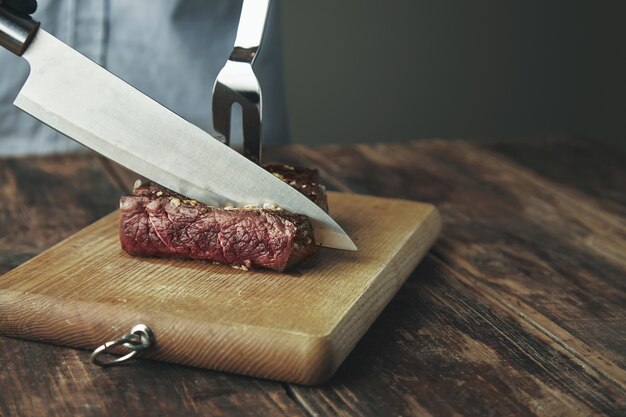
[237,83]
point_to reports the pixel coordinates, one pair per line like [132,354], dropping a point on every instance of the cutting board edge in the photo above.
[380,294]
[309,358]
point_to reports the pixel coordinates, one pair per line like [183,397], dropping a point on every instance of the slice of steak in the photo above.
[158,222]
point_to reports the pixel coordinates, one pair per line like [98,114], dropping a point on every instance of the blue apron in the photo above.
[171,50]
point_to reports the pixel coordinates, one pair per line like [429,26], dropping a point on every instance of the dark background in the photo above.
[372,70]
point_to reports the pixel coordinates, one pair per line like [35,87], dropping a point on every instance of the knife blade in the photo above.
[82,100]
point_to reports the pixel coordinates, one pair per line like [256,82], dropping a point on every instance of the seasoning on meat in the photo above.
[158,222]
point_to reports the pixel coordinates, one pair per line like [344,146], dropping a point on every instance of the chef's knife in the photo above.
[82,100]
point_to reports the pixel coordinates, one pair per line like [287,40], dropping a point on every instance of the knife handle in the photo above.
[16,31]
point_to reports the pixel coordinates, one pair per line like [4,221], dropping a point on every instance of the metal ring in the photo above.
[129,338]
[140,338]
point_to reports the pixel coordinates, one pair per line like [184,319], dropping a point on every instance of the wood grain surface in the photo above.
[517,311]
[297,326]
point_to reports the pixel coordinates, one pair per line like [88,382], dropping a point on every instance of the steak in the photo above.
[302,179]
[156,221]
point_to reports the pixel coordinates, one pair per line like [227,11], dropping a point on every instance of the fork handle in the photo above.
[250,30]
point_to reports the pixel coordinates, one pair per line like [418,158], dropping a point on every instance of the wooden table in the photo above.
[520,309]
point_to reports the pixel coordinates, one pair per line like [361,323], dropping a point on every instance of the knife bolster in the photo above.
[16,32]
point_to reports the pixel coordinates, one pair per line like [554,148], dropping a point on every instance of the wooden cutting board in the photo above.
[296,327]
